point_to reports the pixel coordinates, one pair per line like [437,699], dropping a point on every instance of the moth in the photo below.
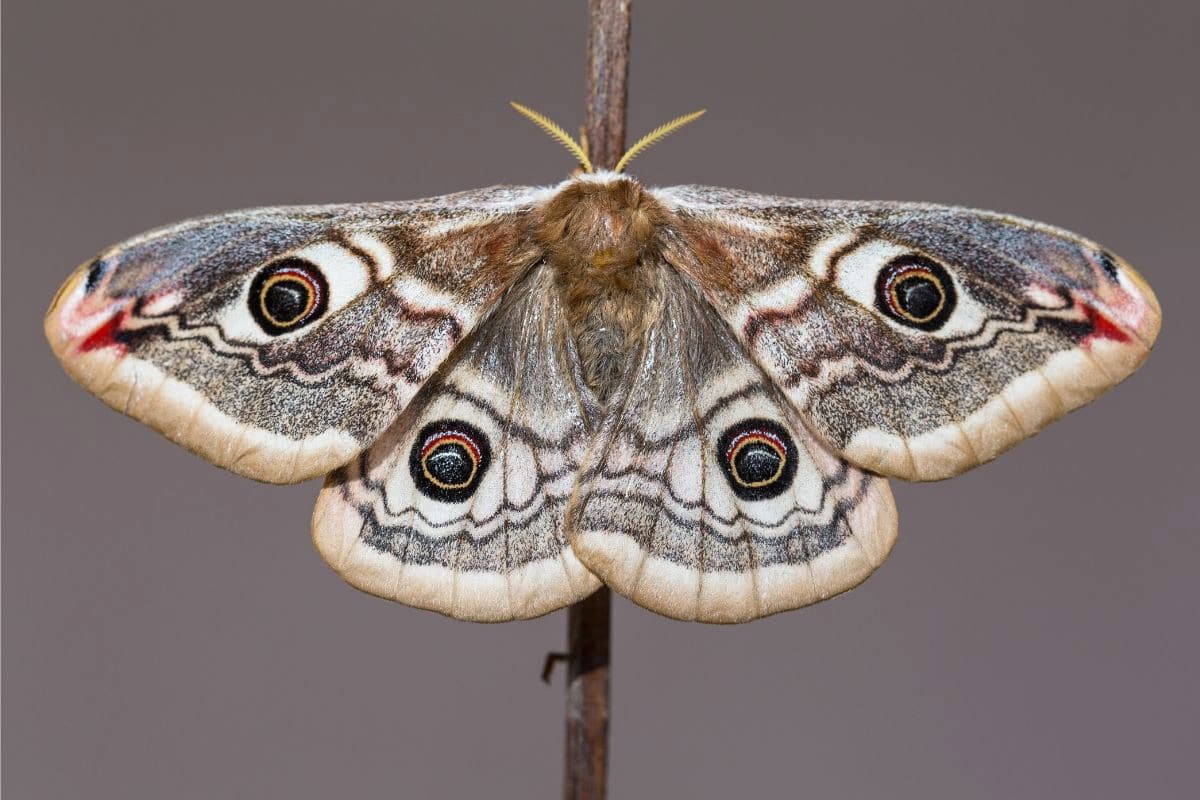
[693,395]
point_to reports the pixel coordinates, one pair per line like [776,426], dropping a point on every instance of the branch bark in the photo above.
[588,634]
[589,621]
[608,76]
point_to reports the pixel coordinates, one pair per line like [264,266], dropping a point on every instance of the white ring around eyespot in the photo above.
[347,275]
[856,272]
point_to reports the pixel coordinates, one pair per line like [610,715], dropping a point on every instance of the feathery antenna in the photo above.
[661,132]
[564,138]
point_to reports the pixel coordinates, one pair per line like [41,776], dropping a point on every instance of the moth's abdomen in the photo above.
[609,314]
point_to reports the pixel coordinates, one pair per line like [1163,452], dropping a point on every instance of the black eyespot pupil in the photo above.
[756,462]
[287,300]
[450,464]
[916,292]
[758,458]
[920,297]
[448,460]
[287,295]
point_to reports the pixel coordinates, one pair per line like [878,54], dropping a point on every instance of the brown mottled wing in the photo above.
[280,342]
[704,498]
[459,507]
[916,340]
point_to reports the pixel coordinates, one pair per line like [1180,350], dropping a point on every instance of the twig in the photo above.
[552,658]
[608,74]
[588,630]
[589,625]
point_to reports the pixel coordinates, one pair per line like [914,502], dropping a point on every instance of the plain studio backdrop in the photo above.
[169,629]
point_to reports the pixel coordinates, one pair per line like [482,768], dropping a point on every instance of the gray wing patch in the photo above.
[1015,322]
[459,508]
[705,499]
[279,342]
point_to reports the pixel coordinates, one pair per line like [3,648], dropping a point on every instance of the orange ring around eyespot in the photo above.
[895,279]
[750,437]
[437,441]
[314,295]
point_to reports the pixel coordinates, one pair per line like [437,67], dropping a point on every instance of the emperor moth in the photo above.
[694,395]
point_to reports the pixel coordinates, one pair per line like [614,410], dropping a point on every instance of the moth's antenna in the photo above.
[558,133]
[661,132]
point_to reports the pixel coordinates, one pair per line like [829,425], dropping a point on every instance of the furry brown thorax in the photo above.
[600,237]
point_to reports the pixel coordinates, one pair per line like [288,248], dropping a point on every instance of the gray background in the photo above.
[169,630]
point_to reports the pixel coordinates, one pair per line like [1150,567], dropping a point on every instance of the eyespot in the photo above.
[758,458]
[448,460]
[287,295]
[915,291]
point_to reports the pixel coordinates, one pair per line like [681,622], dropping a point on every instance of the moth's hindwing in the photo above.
[459,507]
[705,499]
[916,340]
[278,343]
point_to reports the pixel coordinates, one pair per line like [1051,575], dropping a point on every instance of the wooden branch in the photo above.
[608,75]
[588,635]
[589,621]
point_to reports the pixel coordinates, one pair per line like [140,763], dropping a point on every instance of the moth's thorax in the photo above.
[598,224]
[599,235]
